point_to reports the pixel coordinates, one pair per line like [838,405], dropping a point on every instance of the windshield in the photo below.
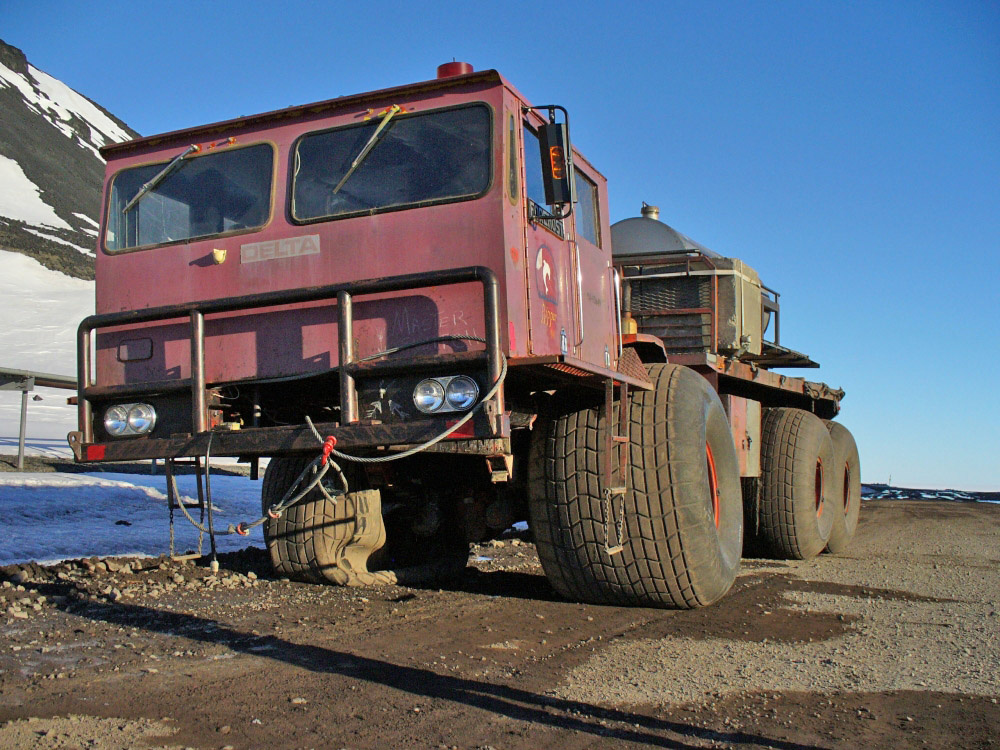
[417,158]
[201,196]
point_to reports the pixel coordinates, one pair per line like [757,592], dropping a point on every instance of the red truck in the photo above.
[412,302]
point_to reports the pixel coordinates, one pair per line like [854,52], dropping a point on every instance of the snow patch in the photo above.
[67,100]
[87,219]
[49,517]
[41,309]
[53,238]
[59,104]
[20,198]
[64,481]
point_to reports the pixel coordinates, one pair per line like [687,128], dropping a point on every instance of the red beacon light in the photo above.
[454,69]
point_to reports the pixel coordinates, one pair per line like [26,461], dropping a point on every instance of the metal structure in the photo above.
[25,382]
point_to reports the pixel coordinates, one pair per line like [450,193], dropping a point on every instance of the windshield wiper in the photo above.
[161,176]
[368,146]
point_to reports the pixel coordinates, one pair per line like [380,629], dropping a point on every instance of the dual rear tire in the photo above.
[796,517]
[846,493]
[810,487]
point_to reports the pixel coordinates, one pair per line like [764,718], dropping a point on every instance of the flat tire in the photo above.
[316,540]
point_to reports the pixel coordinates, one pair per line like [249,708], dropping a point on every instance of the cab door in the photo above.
[595,310]
[549,263]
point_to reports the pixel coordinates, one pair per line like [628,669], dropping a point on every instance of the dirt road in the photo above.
[894,644]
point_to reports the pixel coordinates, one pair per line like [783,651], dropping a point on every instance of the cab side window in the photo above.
[585,210]
[533,185]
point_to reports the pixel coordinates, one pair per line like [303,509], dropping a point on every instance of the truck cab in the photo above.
[410,182]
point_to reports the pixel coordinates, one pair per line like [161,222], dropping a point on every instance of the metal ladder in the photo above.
[615,479]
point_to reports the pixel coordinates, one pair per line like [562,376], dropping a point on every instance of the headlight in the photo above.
[462,392]
[116,420]
[141,418]
[428,395]
[129,419]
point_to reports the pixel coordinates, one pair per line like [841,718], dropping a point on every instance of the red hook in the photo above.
[328,446]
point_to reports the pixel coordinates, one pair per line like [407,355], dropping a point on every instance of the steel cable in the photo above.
[291,497]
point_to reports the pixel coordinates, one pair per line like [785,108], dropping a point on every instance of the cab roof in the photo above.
[118,149]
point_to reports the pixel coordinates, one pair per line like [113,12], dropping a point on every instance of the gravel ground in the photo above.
[923,619]
[892,645]
[73,732]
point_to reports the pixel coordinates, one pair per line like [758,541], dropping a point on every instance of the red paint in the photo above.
[277,344]
[465,431]
[847,488]
[713,483]
[819,487]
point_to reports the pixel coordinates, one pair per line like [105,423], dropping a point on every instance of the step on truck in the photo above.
[412,302]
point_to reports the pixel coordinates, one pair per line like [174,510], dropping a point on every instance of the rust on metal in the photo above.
[271,441]
[730,375]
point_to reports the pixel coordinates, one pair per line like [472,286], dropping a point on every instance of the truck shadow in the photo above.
[502,700]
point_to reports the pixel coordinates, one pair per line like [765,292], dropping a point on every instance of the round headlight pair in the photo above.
[129,419]
[456,393]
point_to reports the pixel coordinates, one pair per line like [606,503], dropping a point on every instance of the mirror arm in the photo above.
[564,209]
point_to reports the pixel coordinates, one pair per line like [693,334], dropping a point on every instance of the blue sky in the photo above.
[849,151]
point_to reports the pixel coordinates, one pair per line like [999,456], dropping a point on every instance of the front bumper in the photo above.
[482,435]
[274,441]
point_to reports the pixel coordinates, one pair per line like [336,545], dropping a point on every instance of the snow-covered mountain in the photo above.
[50,191]
[50,169]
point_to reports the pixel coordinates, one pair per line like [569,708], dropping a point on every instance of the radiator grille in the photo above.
[654,300]
[683,292]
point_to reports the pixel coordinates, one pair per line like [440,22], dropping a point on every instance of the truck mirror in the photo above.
[557,168]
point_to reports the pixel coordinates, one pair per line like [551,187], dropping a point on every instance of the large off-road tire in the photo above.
[316,540]
[683,507]
[845,496]
[796,483]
